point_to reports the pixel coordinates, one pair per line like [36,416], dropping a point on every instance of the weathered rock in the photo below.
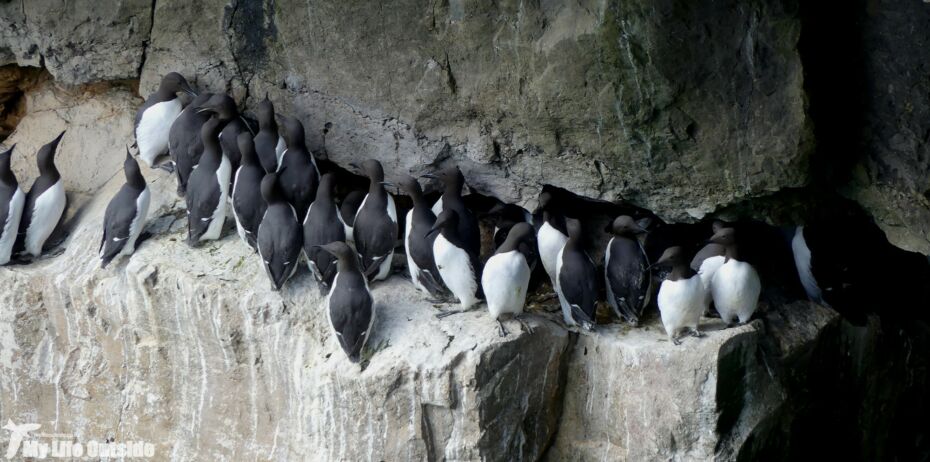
[892,178]
[610,100]
[633,395]
[191,350]
[80,41]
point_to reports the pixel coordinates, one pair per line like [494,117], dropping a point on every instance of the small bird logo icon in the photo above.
[17,434]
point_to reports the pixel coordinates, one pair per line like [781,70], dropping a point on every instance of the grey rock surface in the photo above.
[79,41]
[636,101]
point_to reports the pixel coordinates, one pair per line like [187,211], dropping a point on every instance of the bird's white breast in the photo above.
[45,215]
[681,303]
[504,280]
[550,242]
[152,132]
[11,227]
[456,271]
[802,261]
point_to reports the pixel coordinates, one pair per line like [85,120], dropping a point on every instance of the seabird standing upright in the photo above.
[804,262]
[348,209]
[225,109]
[577,280]
[736,285]
[349,304]
[458,264]
[506,275]
[184,141]
[45,203]
[453,181]
[153,120]
[268,143]
[418,241]
[247,202]
[299,176]
[681,296]
[551,235]
[208,188]
[626,270]
[12,201]
[125,215]
[280,236]
[323,225]
[375,228]
[708,260]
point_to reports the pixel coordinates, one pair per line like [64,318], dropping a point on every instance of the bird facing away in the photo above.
[506,276]
[125,215]
[280,236]
[349,305]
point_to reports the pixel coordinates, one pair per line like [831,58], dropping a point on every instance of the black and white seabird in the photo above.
[224,108]
[184,141]
[299,176]
[505,216]
[348,209]
[375,228]
[153,120]
[626,270]
[45,203]
[208,188]
[708,260]
[681,296]
[506,275]
[125,215]
[457,263]
[280,236]
[349,305]
[453,181]
[804,262]
[268,143]
[248,205]
[736,286]
[577,280]
[12,201]
[323,225]
[551,235]
[418,241]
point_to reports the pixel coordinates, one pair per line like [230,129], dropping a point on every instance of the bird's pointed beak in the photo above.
[186,88]
[431,176]
[387,184]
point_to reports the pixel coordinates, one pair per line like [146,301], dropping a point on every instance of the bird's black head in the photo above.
[451,177]
[247,148]
[265,114]
[211,129]
[327,186]
[624,225]
[6,174]
[410,186]
[173,82]
[724,236]
[717,225]
[292,131]
[573,226]
[672,257]
[545,201]
[46,156]
[339,250]
[521,232]
[271,190]
[372,169]
[134,176]
[222,105]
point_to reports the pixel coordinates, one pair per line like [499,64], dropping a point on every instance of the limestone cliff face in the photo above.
[683,108]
